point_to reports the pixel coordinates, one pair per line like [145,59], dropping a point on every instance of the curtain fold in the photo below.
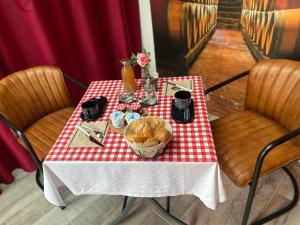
[12,155]
[86,39]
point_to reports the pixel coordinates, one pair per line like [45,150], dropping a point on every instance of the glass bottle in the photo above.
[128,76]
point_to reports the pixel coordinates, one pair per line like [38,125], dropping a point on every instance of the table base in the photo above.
[128,205]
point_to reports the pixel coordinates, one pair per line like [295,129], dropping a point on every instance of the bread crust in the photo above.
[147,132]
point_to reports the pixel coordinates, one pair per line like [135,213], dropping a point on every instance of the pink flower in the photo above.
[143,59]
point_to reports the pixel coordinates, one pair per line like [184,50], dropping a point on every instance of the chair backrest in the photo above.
[28,95]
[273,90]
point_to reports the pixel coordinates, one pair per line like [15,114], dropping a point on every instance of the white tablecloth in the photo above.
[136,179]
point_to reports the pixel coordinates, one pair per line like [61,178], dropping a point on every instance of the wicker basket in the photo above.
[153,151]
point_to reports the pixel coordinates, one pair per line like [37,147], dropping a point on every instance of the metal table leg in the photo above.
[168,204]
[165,212]
[124,212]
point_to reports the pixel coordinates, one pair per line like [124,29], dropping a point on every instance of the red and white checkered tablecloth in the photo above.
[191,142]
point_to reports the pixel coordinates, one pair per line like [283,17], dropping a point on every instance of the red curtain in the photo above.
[12,155]
[86,39]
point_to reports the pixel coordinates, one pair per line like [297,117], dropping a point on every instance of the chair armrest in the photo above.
[269,147]
[24,139]
[259,161]
[225,82]
[75,81]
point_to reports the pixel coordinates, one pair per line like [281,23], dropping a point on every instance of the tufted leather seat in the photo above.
[37,102]
[43,133]
[272,110]
[240,136]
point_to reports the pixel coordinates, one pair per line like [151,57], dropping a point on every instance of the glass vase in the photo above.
[148,96]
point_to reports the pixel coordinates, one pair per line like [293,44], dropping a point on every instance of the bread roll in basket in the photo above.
[148,136]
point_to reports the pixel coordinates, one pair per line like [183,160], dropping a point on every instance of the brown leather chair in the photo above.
[36,105]
[262,138]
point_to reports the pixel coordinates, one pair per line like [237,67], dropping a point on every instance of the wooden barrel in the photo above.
[214,2]
[284,36]
[201,30]
[203,2]
[263,28]
[174,15]
[253,5]
[200,22]
[261,5]
[196,21]
[203,20]
[257,22]
[266,5]
[214,14]
[244,5]
[248,4]
[209,17]
[249,22]
[252,24]
[266,41]
[187,24]
[256,4]
[245,19]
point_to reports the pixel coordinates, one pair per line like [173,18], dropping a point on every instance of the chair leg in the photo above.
[274,214]
[38,179]
[286,208]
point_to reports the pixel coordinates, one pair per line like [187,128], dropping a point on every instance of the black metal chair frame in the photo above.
[22,136]
[259,162]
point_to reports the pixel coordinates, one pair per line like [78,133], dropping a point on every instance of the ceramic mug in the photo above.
[90,109]
[182,99]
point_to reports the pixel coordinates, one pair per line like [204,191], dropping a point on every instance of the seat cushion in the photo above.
[240,136]
[45,131]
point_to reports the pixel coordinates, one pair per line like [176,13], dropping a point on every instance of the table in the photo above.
[189,167]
